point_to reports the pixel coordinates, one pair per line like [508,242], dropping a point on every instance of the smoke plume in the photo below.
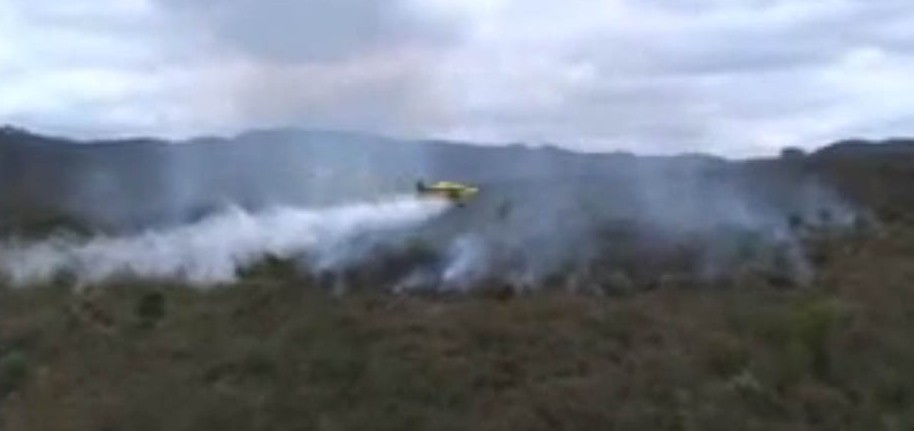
[215,249]
[332,204]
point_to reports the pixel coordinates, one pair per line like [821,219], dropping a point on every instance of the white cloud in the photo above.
[733,77]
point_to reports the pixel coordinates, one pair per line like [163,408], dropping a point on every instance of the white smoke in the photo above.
[467,262]
[215,249]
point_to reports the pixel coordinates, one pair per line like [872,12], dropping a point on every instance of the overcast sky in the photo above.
[734,77]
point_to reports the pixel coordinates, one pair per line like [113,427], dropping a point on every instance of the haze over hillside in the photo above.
[136,182]
[330,198]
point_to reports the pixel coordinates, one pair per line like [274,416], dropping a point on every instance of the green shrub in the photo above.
[14,368]
[814,324]
[150,308]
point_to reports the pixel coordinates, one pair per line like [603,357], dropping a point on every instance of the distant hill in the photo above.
[864,148]
[137,182]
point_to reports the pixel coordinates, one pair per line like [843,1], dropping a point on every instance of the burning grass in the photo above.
[635,339]
[278,352]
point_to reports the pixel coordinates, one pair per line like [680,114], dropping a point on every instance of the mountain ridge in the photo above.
[143,180]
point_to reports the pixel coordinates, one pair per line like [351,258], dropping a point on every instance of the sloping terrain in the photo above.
[276,353]
[544,216]
[278,350]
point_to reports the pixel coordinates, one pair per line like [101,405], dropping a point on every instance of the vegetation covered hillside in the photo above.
[280,351]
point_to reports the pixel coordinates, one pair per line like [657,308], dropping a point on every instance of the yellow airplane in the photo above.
[457,193]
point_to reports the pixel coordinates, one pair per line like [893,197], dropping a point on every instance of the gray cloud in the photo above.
[733,77]
[381,93]
[350,64]
[308,30]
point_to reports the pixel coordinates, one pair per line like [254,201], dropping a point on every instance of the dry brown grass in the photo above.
[281,355]
[276,353]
